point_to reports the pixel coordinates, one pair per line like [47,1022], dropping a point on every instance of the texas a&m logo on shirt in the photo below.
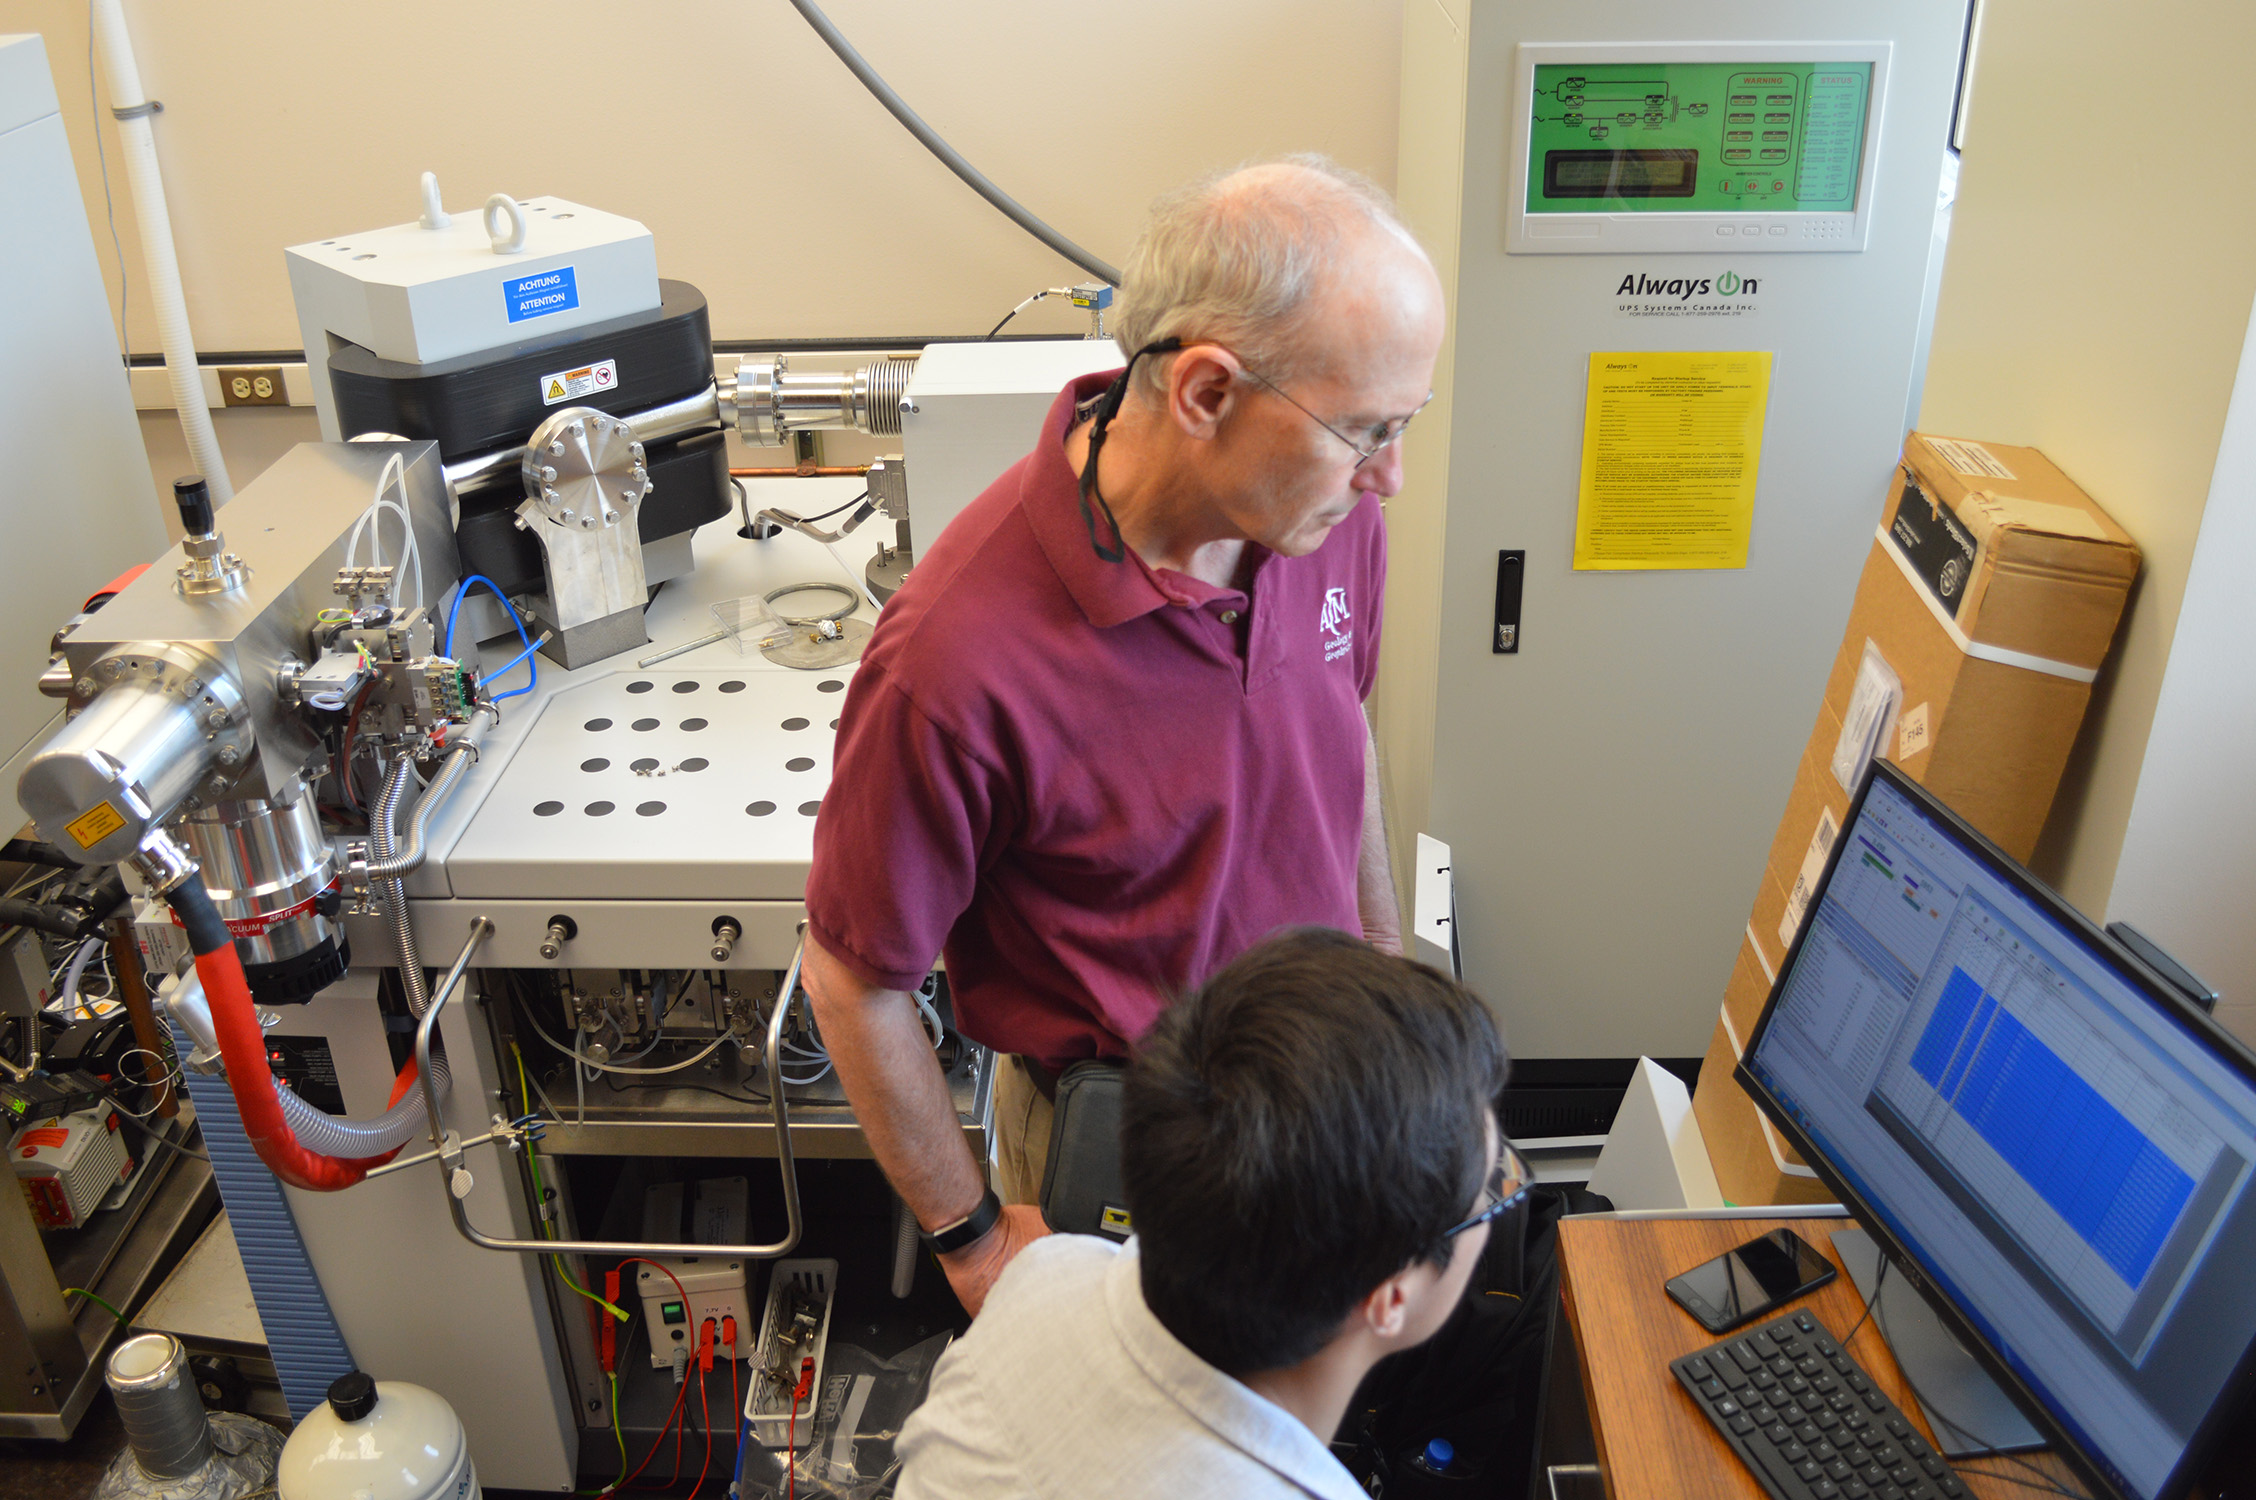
[1338,634]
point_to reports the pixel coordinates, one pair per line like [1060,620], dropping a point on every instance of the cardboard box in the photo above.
[1753,1164]
[1986,607]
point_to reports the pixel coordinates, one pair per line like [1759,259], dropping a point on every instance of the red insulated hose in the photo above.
[242,1046]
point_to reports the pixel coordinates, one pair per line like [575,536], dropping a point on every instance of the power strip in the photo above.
[787,1365]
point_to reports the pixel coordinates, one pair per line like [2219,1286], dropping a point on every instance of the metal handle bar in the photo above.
[451,1157]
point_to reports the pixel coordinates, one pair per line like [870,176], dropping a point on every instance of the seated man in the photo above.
[1311,1157]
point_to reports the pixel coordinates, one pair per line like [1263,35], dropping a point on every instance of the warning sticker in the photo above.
[95,824]
[573,385]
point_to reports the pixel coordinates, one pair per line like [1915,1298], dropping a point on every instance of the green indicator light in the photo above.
[672,1312]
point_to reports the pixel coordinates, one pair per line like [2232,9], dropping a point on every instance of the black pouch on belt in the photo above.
[1081,1191]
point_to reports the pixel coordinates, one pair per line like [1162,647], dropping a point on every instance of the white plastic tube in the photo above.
[159,260]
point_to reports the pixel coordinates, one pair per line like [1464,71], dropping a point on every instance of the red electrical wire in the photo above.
[736,1407]
[680,1394]
[705,1405]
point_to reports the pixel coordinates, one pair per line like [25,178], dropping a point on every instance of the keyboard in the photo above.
[1807,1421]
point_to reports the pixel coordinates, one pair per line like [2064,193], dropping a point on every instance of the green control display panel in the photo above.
[1697,137]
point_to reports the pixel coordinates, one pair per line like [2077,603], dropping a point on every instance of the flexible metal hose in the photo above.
[951,158]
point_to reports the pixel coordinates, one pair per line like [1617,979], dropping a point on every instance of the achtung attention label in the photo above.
[574,385]
[95,824]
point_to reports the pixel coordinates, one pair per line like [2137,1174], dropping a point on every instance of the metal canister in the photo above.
[266,865]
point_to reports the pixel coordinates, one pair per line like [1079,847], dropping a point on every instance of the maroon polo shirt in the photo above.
[1092,784]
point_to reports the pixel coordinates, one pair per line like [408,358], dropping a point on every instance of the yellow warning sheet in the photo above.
[1671,443]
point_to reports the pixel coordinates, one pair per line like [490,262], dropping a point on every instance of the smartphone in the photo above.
[1743,1284]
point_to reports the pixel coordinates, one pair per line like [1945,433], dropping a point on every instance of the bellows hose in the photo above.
[242,1046]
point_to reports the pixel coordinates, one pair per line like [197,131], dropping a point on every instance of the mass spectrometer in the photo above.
[305,740]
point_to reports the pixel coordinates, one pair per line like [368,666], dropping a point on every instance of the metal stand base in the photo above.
[594,641]
[1936,1364]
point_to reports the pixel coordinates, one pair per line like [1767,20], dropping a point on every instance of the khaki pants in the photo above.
[1022,1132]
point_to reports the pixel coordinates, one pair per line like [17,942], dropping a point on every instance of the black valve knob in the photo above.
[193,496]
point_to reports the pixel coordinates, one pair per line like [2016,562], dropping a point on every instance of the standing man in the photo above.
[1110,732]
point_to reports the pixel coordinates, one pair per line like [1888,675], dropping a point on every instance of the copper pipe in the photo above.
[805,471]
[125,963]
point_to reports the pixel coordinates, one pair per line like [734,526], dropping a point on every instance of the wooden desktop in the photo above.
[1653,1443]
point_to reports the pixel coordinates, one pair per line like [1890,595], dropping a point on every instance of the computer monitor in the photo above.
[2058,1150]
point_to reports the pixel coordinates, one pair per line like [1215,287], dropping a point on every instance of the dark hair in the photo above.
[1308,1124]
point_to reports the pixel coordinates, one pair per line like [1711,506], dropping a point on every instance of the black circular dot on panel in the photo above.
[686,685]
[694,763]
[830,685]
[644,764]
[799,763]
[809,809]
[760,809]
[650,809]
[693,725]
[795,723]
[600,809]
[640,687]
[732,686]
[598,724]
[597,764]
[834,723]
[646,724]
[547,809]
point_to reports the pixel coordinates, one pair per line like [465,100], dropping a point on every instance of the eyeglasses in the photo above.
[1382,437]
[1509,1184]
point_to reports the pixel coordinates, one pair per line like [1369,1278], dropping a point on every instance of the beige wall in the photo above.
[1432,135]
[2093,306]
[770,179]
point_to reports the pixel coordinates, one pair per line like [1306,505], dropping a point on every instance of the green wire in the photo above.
[540,1187]
[79,1291]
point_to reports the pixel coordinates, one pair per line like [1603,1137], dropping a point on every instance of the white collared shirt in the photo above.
[1067,1386]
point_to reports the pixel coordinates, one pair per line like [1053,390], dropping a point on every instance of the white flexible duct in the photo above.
[158,257]
[316,1129]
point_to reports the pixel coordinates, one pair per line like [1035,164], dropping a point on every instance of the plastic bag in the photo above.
[750,624]
[857,1417]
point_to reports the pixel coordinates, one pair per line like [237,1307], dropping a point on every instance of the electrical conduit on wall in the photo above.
[130,105]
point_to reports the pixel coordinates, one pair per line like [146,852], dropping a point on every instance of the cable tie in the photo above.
[138,111]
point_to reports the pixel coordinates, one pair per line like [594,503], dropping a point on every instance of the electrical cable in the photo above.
[1014,312]
[948,154]
[548,1229]
[705,1404]
[166,1141]
[169,1067]
[523,635]
[680,1393]
[2043,1481]
[826,515]
[604,1067]
[743,1441]
[79,1291]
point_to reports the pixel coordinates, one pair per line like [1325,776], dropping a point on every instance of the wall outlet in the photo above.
[252,385]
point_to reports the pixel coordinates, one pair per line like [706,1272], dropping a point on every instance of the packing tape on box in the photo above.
[1776,1146]
[1977,649]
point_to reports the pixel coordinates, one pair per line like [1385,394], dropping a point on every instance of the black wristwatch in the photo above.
[967,1230]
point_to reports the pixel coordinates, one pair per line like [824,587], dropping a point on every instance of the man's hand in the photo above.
[973,1269]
